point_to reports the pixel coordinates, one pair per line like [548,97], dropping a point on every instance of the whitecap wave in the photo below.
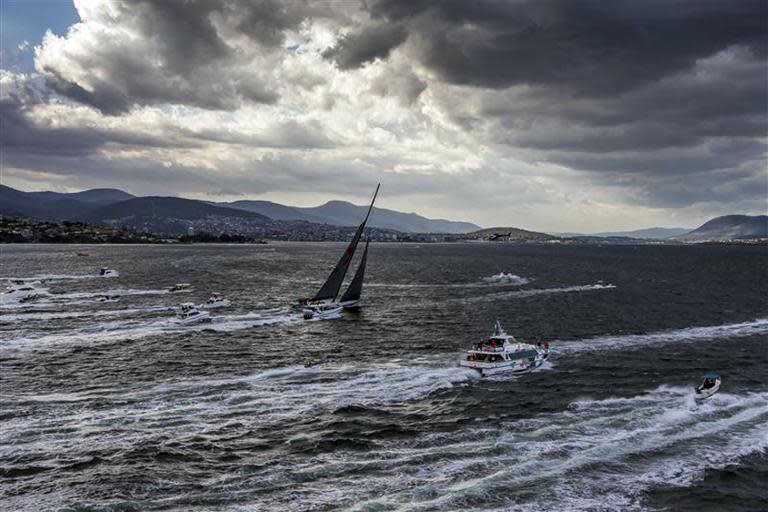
[505,278]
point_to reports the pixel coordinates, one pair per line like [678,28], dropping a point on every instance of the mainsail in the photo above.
[332,285]
[355,289]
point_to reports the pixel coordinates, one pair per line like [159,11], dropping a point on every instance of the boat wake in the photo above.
[50,277]
[57,315]
[50,300]
[596,455]
[593,455]
[520,294]
[142,328]
[689,334]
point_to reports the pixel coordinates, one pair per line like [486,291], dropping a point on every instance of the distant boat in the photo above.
[178,287]
[216,301]
[329,292]
[108,272]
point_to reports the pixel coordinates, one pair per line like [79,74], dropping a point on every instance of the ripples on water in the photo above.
[115,406]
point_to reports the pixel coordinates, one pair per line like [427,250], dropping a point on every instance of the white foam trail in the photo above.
[598,454]
[690,334]
[115,291]
[518,294]
[136,329]
[34,315]
[263,398]
[50,277]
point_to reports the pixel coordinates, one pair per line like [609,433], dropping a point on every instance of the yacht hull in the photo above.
[202,317]
[502,367]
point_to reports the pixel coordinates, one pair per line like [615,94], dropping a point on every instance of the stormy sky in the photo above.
[565,116]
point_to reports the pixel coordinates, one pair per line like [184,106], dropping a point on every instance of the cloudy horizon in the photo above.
[553,116]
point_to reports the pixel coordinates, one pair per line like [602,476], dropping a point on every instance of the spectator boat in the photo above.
[503,353]
[189,314]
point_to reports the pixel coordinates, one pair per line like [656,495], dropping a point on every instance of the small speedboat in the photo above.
[180,287]
[108,272]
[503,353]
[708,387]
[216,301]
[21,293]
[189,314]
[109,298]
[322,311]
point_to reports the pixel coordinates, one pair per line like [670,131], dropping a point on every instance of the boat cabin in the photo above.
[187,310]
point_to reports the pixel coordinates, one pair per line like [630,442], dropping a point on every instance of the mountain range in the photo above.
[645,234]
[174,215]
[111,205]
[729,227]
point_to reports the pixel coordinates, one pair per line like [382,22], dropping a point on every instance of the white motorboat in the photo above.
[108,272]
[189,314]
[180,287]
[109,298]
[322,311]
[216,301]
[708,387]
[503,353]
[329,292]
[21,293]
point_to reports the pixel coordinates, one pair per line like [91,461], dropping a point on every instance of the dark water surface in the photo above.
[117,407]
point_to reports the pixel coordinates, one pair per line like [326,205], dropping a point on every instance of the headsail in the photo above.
[332,285]
[355,289]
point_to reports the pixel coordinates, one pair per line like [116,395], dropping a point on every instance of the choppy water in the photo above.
[114,406]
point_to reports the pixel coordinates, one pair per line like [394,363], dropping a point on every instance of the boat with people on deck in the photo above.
[326,300]
[189,314]
[708,387]
[21,291]
[216,300]
[501,352]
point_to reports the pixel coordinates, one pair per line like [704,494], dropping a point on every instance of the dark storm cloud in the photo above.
[642,95]
[372,42]
[667,100]
[593,47]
